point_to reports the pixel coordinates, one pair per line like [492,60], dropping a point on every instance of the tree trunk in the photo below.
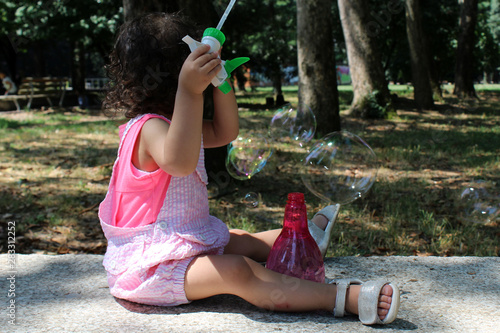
[316,62]
[275,72]
[39,59]
[419,56]
[365,65]
[241,80]
[276,78]
[8,50]
[435,82]
[464,69]
[78,68]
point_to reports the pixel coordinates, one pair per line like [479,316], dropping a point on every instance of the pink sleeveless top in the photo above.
[153,217]
[138,195]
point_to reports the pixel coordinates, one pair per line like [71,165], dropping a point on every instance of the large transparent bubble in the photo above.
[479,204]
[340,168]
[247,155]
[293,125]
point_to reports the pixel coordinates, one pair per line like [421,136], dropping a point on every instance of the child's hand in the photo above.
[199,69]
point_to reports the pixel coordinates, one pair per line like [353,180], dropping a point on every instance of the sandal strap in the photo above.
[316,232]
[339,309]
[340,300]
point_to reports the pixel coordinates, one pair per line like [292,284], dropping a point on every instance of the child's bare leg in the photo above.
[255,246]
[238,275]
[241,276]
[258,245]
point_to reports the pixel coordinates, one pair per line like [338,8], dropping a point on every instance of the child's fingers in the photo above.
[216,69]
[211,68]
[200,68]
[206,58]
[199,51]
[209,62]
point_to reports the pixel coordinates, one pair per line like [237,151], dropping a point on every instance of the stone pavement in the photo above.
[69,293]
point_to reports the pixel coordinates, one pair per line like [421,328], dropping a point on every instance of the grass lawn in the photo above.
[55,166]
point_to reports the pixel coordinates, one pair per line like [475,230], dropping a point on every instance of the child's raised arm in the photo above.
[224,127]
[175,148]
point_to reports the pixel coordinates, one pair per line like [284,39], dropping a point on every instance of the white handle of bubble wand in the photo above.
[226,13]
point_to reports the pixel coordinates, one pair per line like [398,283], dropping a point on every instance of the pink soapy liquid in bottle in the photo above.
[295,253]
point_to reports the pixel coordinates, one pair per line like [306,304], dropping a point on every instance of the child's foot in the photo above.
[375,302]
[321,226]
[321,221]
[384,300]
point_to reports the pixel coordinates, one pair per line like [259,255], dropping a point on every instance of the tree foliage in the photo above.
[488,35]
[270,38]
[91,21]
[264,30]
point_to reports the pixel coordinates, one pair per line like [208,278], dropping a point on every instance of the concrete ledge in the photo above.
[69,293]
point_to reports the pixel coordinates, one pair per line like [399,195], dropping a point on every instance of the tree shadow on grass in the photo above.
[486,104]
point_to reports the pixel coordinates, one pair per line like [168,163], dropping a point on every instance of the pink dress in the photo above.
[155,225]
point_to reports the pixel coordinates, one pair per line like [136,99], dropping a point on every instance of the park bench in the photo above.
[32,88]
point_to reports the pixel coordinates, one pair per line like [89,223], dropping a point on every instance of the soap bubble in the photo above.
[293,125]
[247,156]
[340,168]
[251,200]
[478,204]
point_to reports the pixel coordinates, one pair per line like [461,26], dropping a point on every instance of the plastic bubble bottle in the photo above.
[295,253]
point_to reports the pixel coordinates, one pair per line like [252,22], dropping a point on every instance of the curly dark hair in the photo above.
[145,64]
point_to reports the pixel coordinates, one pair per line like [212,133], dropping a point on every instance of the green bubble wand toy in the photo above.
[215,38]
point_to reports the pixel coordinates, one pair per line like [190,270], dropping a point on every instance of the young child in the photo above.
[9,85]
[163,246]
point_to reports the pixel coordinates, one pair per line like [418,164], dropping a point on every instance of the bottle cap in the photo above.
[296,196]
[217,34]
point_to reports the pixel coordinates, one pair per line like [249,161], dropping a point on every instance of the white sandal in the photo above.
[322,237]
[367,301]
